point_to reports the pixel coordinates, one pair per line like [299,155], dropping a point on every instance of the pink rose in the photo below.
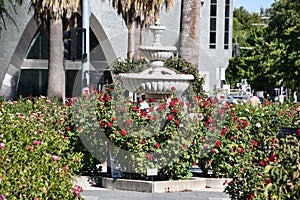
[2,145]
[55,157]
[37,142]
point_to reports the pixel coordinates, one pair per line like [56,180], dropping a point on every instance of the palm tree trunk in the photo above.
[189,31]
[142,31]
[131,29]
[56,72]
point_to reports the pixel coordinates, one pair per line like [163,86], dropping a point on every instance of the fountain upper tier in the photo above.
[156,80]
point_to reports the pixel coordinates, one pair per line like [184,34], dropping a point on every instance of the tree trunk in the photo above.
[56,70]
[131,29]
[142,31]
[189,31]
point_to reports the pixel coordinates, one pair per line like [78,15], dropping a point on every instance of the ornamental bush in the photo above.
[37,157]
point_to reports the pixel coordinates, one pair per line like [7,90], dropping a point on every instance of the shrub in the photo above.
[37,158]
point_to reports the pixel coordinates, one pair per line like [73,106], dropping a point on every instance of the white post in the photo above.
[86,42]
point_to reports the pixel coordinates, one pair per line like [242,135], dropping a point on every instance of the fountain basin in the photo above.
[156,81]
[154,53]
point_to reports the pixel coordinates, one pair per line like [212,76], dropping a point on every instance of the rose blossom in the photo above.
[124,132]
[37,142]
[157,145]
[170,117]
[2,197]
[258,125]
[55,157]
[2,145]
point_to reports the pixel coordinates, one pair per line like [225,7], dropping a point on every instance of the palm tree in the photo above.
[50,14]
[140,12]
[189,30]
[5,8]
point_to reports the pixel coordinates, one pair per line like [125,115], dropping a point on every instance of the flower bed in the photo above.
[40,145]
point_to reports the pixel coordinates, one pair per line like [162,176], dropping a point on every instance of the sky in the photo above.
[253,5]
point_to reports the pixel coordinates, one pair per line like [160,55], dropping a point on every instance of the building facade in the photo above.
[24,48]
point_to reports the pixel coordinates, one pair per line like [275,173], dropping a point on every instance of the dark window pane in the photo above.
[73,83]
[226,46]
[212,37]
[212,46]
[227,11]
[213,24]
[32,83]
[227,1]
[213,1]
[213,10]
[39,48]
[226,24]
[226,38]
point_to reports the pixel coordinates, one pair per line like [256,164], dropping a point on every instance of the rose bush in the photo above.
[37,157]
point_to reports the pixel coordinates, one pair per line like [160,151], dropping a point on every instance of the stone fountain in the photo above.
[157,80]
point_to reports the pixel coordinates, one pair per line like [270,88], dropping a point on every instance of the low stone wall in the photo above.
[193,184]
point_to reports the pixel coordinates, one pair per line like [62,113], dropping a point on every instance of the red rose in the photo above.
[157,145]
[170,117]
[128,121]
[135,109]
[172,103]
[124,132]
[107,98]
[109,124]
[143,142]
[254,142]
[151,100]
[268,181]
[177,122]
[175,110]
[113,119]
[299,131]
[218,144]
[149,156]
[263,163]
[223,131]
[241,150]
[68,128]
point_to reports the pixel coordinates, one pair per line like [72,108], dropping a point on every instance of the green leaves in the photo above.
[37,154]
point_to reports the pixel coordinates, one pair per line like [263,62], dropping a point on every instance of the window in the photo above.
[226,24]
[213,24]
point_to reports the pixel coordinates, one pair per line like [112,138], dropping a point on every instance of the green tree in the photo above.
[6,7]
[50,14]
[249,32]
[284,44]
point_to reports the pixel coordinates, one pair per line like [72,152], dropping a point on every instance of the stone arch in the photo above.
[19,61]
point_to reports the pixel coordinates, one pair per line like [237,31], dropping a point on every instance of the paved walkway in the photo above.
[96,193]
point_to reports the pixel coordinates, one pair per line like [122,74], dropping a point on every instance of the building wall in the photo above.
[111,33]
[213,61]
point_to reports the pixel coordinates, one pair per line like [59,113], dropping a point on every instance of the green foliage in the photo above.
[274,49]
[37,158]
[123,66]
[185,67]
[283,37]
[266,168]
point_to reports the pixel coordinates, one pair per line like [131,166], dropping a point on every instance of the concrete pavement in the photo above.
[98,193]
